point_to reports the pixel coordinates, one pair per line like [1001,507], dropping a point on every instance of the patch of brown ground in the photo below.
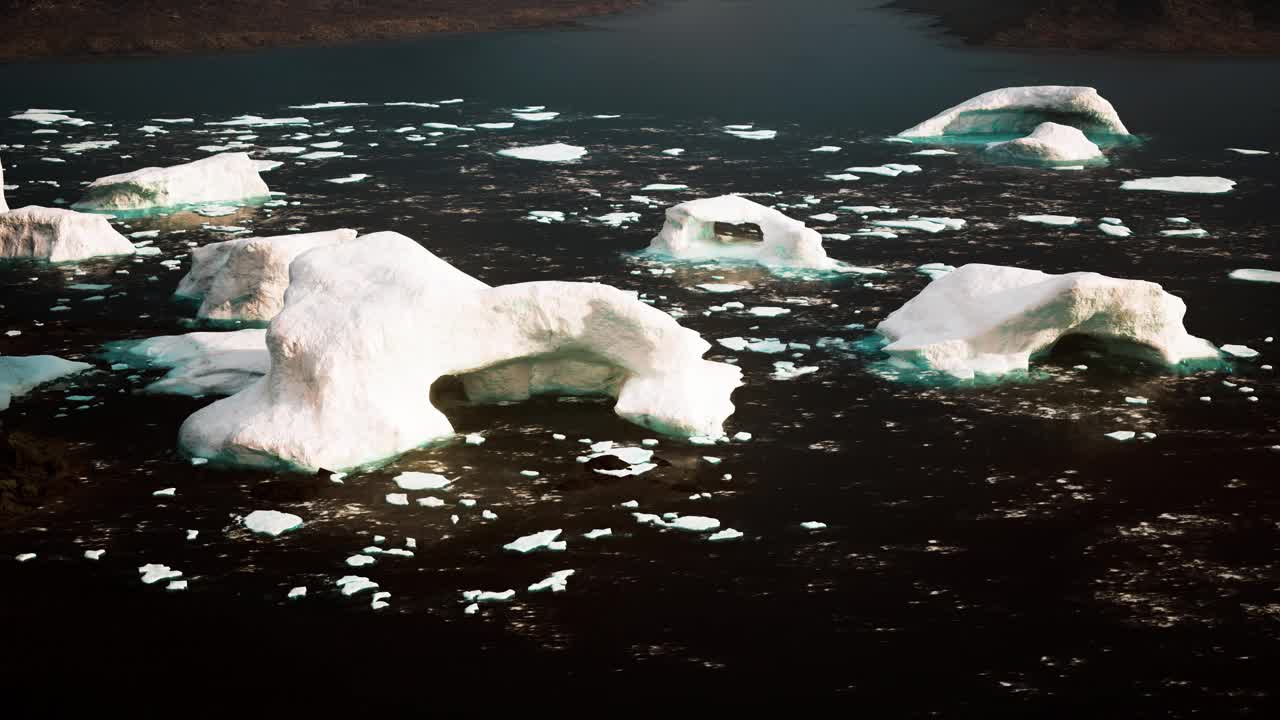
[45,28]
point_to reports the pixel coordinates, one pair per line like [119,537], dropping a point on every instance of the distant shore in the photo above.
[1220,27]
[74,28]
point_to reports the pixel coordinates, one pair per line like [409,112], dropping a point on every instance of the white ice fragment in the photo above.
[752,134]
[353,584]
[597,533]
[153,573]
[24,557]
[663,186]
[783,370]
[176,585]
[495,125]
[555,152]
[1255,275]
[354,177]
[530,473]
[935,270]
[1121,435]
[768,311]
[546,216]
[1048,143]
[1050,219]
[397,498]
[723,535]
[482,596]
[934,152]
[529,543]
[1181,184]
[824,217]
[166,492]
[826,149]
[430,502]
[20,375]
[813,525]
[1135,400]
[618,219]
[193,534]
[556,582]
[1240,351]
[535,116]
[1115,230]
[693,523]
[421,481]
[1245,151]
[742,436]
[271,522]
[360,560]
[93,554]
[1194,232]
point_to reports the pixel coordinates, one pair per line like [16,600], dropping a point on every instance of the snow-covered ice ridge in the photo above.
[991,320]
[1019,110]
[352,361]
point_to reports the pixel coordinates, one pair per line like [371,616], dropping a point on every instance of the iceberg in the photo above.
[271,522]
[689,232]
[1115,230]
[1019,110]
[1060,220]
[58,235]
[200,363]
[556,582]
[246,278]
[555,152]
[991,320]
[20,374]
[529,543]
[369,325]
[1181,184]
[1255,275]
[1048,143]
[225,177]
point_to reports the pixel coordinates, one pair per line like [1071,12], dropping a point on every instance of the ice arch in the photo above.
[1019,110]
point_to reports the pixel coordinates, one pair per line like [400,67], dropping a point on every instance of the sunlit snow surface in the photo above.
[869,496]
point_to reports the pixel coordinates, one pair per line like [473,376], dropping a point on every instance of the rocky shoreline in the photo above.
[71,28]
[1221,27]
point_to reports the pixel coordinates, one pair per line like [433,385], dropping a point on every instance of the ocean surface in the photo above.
[987,549]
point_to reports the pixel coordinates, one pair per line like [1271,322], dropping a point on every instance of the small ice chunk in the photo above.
[546,216]
[529,543]
[723,535]
[298,592]
[648,442]
[354,177]
[421,481]
[1245,151]
[535,116]
[481,596]
[193,534]
[93,554]
[1255,275]
[1194,232]
[360,560]
[1181,184]
[397,498]
[712,460]
[176,585]
[271,522]
[824,217]
[496,125]
[353,584]
[826,149]
[784,370]
[1115,230]
[673,152]
[934,152]
[1050,219]
[693,523]
[618,219]
[629,504]
[530,473]
[722,287]
[25,557]
[556,582]
[555,152]
[1240,351]
[753,134]
[1135,400]
[1121,435]
[430,502]
[166,492]
[664,186]
[768,311]
[597,533]
[488,514]
[1148,436]
[742,436]
[153,573]
[813,525]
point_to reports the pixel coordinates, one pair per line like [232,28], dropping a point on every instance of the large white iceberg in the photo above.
[20,375]
[1048,143]
[991,319]
[246,278]
[199,363]
[369,325]
[1018,110]
[225,177]
[689,232]
[55,234]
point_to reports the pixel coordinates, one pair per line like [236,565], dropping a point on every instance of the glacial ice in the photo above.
[20,375]
[1048,143]
[225,177]
[362,338]
[246,278]
[57,235]
[990,320]
[1019,110]
[1181,184]
[689,232]
[271,522]
[1255,275]
[555,152]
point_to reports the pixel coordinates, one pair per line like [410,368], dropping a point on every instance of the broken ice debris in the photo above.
[935,270]
[784,370]
[726,534]
[555,152]
[271,522]
[352,584]
[546,216]
[887,170]
[1255,275]
[1194,232]
[556,582]
[153,573]
[1245,151]
[430,502]
[529,543]
[1135,400]
[722,287]
[1181,184]
[480,596]
[1121,435]
[354,177]
[421,481]
[397,498]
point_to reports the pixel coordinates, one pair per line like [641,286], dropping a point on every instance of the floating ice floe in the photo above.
[935,270]
[1061,220]
[1048,143]
[255,121]
[1181,184]
[556,582]
[487,596]
[1245,151]
[297,592]
[752,134]
[352,584]
[94,554]
[783,370]
[1255,275]
[555,152]
[271,522]
[919,224]
[934,152]
[1115,230]
[495,125]
[597,533]
[57,235]
[329,105]
[20,375]
[1019,110]
[230,176]
[535,116]
[1240,351]
[1122,435]
[991,320]
[200,363]
[724,535]
[422,481]
[354,177]
[887,170]
[546,217]
[722,287]
[246,278]
[664,186]
[153,573]
[1194,232]
[618,219]
[813,525]
[536,541]
[689,232]
[335,403]
[870,209]
[826,149]
[673,152]
[89,145]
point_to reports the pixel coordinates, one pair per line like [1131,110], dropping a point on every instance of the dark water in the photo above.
[988,550]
